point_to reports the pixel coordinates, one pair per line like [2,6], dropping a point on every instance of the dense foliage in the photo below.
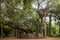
[20,17]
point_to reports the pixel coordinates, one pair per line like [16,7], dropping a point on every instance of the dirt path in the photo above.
[47,38]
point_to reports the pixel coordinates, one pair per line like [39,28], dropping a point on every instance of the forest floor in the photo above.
[47,38]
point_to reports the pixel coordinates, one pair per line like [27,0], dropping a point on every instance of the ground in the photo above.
[47,38]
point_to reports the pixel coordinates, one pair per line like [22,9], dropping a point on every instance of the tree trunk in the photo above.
[41,25]
[49,29]
[1,25]
[59,30]
[59,27]
[44,30]
[0,15]
[1,30]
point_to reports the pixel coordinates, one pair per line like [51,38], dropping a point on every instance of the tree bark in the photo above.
[49,32]
[44,30]
[59,27]
[1,30]
[1,25]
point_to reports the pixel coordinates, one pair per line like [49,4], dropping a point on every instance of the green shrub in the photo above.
[54,30]
[7,30]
